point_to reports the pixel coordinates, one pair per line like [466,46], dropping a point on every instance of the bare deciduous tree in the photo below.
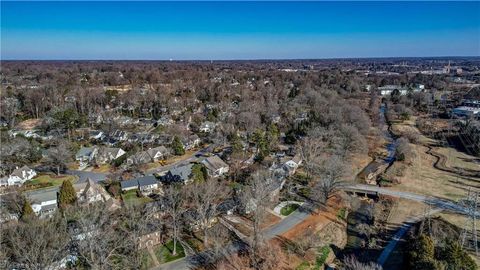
[36,244]
[174,206]
[329,174]
[205,198]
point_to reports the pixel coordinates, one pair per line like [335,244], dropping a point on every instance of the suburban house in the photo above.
[150,239]
[43,201]
[151,155]
[207,127]
[108,154]
[215,166]
[96,135]
[291,165]
[179,174]
[129,185]
[18,177]
[191,142]
[119,135]
[86,155]
[89,192]
[147,184]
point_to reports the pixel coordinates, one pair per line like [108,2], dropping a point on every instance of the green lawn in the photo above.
[288,209]
[130,198]
[164,253]
[342,213]
[48,180]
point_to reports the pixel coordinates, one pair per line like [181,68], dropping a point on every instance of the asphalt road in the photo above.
[84,175]
[283,226]
[433,201]
[399,235]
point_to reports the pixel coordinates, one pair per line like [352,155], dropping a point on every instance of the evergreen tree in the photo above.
[177,146]
[236,144]
[453,255]
[67,194]
[199,173]
[27,211]
[263,148]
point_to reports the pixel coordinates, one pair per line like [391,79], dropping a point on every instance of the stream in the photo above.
[363,212]
[380,164]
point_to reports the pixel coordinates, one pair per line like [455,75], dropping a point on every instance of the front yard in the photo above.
[48,180]
[164,253]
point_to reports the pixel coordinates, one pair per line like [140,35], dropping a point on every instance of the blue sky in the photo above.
[237,30]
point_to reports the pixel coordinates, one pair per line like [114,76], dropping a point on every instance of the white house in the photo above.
[44,201]
[207,127]
[19,176]
[292,164]
[147,184]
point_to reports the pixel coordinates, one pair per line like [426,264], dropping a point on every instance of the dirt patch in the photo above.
[29,124]
[317,221]
[270,220]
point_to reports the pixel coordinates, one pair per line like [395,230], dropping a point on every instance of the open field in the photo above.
[423,178]
[408,127]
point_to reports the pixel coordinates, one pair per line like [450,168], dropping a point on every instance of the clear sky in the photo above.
[237,30]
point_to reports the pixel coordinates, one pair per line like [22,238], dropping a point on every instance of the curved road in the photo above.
[283,226]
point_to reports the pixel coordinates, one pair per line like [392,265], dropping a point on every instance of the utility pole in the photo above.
[470,226]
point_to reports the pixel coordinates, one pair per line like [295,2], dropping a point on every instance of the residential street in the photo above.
[283,226]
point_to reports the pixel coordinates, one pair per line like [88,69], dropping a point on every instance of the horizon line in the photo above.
[254,59]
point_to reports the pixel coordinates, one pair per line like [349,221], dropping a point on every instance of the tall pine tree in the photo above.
[67,194]
[177,146]
[27,211]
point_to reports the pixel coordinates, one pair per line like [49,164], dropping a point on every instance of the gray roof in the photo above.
[214,163]
[43,195]
[129,183]
[183,172]
[84,151]
[147,180]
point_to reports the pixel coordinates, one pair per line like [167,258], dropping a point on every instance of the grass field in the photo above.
[288,209]
[48,180]
[130,198]
[164,253]
[423,178]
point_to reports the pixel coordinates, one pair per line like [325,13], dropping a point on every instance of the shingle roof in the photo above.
[182,171]
[214,163]
[129,183]
[147,180]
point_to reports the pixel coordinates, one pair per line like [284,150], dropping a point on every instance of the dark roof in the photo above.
[129,183]
[147,180]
